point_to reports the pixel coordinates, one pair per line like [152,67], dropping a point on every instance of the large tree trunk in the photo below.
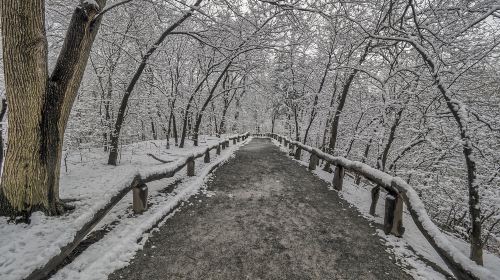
[39,104]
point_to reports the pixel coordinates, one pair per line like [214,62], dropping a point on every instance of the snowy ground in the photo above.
[413,246]
[92,183]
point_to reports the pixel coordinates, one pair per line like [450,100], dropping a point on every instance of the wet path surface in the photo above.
[267,217]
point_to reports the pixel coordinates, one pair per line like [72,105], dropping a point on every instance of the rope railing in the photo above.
[461,266]
[137,184]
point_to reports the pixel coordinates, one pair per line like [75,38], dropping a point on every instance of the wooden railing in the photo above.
[399,191]
[139,199]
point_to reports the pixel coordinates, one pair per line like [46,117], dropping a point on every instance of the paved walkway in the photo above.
[269,218]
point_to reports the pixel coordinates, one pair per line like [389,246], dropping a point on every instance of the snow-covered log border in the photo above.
[166,171]
[461,266]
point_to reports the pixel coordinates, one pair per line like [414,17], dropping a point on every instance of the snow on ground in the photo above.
[91,182]
[412,247]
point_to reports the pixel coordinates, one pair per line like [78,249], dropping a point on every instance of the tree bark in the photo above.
[2,114]
[39,104]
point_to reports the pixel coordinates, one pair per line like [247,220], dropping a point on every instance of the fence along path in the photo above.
[136,184]
[399,191]
[264,216]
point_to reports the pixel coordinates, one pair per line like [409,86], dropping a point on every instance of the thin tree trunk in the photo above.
[207,101]
[153,130]
[338,113]
[357,180]
[455,108]
[115,136]
[169,129]
[315,103]
[174,126]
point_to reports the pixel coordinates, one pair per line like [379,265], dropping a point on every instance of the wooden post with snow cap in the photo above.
[313,161]
[206,159]
[140,198]
[338,177]
[190,166]
[217,151]
[297,152]
[290,150]
[393,218]
[375,194]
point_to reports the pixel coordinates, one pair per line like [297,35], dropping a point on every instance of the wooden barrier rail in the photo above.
[399,191]
[139,199]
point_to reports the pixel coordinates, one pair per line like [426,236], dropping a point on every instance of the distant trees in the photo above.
[115,135]
[406,97]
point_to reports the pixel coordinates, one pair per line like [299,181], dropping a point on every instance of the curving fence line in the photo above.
[399,191]
[137,185]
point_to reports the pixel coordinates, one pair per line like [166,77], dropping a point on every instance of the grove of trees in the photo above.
[409,87]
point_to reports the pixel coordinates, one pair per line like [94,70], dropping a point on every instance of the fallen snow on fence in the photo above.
[413,247]
[91,183]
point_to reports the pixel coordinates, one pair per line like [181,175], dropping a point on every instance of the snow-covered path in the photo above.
[264,216]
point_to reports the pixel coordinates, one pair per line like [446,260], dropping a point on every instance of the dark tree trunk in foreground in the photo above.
[39,104]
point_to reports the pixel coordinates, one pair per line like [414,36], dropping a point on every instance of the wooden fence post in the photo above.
[206,159]
[280,139]
[218,149]
[313,161]
[375,194]
[338,177]
[234,141]
[190,166]
[297,153]
[140,198]
[357,179]
[393,218]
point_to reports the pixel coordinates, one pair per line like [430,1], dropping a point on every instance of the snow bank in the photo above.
[90,184]
[118,247]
